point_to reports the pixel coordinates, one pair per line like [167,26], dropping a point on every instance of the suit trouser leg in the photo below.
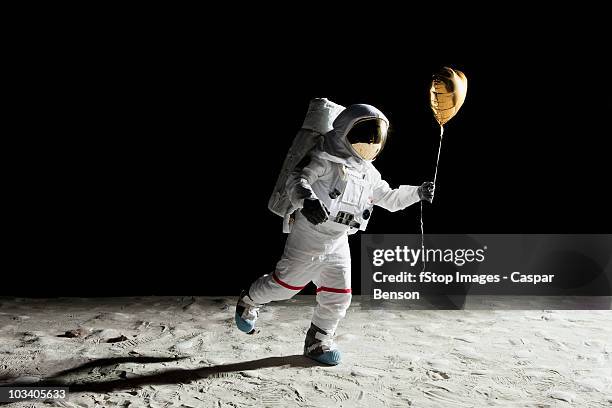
[334,292]
[290,276]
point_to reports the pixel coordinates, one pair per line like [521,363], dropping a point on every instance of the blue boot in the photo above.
[247,313]
[320,346]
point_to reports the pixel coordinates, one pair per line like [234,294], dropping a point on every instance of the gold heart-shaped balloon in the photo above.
[448,90]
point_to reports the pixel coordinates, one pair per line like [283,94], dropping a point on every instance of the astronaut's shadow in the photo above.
[170,376]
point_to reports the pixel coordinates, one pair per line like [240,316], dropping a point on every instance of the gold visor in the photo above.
[367,151]
[367,137]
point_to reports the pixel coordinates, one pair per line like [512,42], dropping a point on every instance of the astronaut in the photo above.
[335,189]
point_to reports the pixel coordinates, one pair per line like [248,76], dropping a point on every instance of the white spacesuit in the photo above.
[335,189]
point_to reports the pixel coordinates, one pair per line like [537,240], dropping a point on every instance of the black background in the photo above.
[146,165]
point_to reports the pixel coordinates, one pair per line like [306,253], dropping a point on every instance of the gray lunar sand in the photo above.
[186,352]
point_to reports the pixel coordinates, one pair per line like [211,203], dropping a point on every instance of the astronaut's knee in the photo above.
[336,304]
[284,294]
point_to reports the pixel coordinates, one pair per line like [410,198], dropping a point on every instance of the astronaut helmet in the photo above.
[367,137]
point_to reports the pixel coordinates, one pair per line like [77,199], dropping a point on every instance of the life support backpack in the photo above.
[319,120]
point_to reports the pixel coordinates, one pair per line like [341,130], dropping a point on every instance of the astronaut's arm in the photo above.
[394,199]
[299,182]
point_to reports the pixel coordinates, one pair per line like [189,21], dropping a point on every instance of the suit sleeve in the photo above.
[299,183]
[394,199]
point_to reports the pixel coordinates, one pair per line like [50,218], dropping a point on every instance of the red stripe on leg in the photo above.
[334,290]
[285,285]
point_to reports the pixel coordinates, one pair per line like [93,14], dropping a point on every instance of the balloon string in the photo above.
[438,159]
[422,239]
[435,178]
